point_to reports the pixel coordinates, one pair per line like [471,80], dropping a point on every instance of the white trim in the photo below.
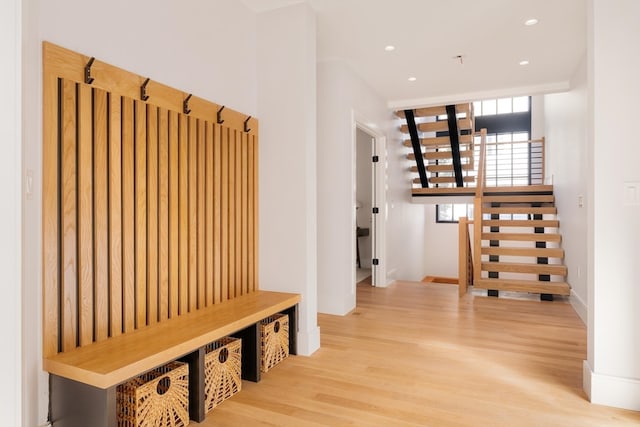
[556,87]
[308,342]
[359,121]
[612,391]
[579,306]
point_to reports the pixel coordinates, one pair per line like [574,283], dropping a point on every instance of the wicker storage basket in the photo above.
[274,341]
[157,398]
[222,371]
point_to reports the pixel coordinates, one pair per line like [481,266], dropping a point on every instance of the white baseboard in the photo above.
[609,390]
[579,306]
[308,342]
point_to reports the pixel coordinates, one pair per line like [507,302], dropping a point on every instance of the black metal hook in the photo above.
[219,119]
[246,124]
[185,105]
[87,71]
[143,90]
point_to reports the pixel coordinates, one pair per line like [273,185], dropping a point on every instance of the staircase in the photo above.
[442,148]
[520,245]
[516,243]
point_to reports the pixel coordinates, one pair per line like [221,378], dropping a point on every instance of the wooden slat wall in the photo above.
[148,213]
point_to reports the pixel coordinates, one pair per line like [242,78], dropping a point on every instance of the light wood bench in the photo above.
[84,380]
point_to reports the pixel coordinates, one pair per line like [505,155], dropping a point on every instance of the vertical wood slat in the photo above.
[100,222]
[115,215]
[245,217]
[50,217]
[251,199]
[200,127]
[69,239]
[254,198]
[141,213]
[238,214]
[163,214]
[193,214]
[152,214]
[224,214]
[208,195]
[174,216]
[128,219]
[217,212]
[232,214]
[183,232]
[85,214]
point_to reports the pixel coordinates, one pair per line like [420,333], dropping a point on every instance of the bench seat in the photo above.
[110,362]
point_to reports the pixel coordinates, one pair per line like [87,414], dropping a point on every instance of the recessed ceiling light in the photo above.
[412,79]
[530,22]
[389,48]
[524,62]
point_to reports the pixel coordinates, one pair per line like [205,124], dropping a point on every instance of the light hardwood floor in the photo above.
[414,354]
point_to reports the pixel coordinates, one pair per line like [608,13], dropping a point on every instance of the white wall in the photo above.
[566,145]
[207,47]
[10,217]
[287,109]
[612,371]
[441,252]
[342,97]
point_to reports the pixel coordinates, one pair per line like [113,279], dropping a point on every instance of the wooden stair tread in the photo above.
[521,190]
[541,198]
[533,286]
[547,223]
[521,210]
[436,111]
[517,267]
[439,126]
[439,141]
[523,237]
[443,192]
[442,168]
[445,179]
[439,155]
[524,252]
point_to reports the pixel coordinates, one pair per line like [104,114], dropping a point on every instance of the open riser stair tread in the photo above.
[525,268]
[523,237]
[437,111]
[515,199]
[521,210]
[547,223]
[533,286]
[524,252]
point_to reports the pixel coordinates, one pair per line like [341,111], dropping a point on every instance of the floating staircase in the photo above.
[520,247]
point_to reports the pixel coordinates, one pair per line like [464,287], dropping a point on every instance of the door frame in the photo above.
[379,272]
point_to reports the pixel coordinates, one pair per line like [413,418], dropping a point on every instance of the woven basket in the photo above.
[274,341]
[157,398]
[222,371]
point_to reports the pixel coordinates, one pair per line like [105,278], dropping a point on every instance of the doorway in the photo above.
[365,226]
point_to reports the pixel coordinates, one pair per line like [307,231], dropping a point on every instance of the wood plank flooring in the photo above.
[414,354]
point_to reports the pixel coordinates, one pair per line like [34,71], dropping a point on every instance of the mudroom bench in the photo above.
[84,380]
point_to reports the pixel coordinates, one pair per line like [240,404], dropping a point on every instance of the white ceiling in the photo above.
[489,34]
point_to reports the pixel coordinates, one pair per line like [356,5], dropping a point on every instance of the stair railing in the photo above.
[514,163]
[477,206]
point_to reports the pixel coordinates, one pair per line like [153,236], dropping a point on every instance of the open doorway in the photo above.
[365,193]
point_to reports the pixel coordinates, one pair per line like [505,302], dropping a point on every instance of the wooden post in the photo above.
[463,255]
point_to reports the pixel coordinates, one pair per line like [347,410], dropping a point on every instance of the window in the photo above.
[452,212]
[492,107]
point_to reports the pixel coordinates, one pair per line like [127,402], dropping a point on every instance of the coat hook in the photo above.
[185,105]
[246,124]
[143,90]
[87,71]
[220,121]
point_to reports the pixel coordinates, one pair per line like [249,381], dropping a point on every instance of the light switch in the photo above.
[580,201]
[29,184]
[632,193]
